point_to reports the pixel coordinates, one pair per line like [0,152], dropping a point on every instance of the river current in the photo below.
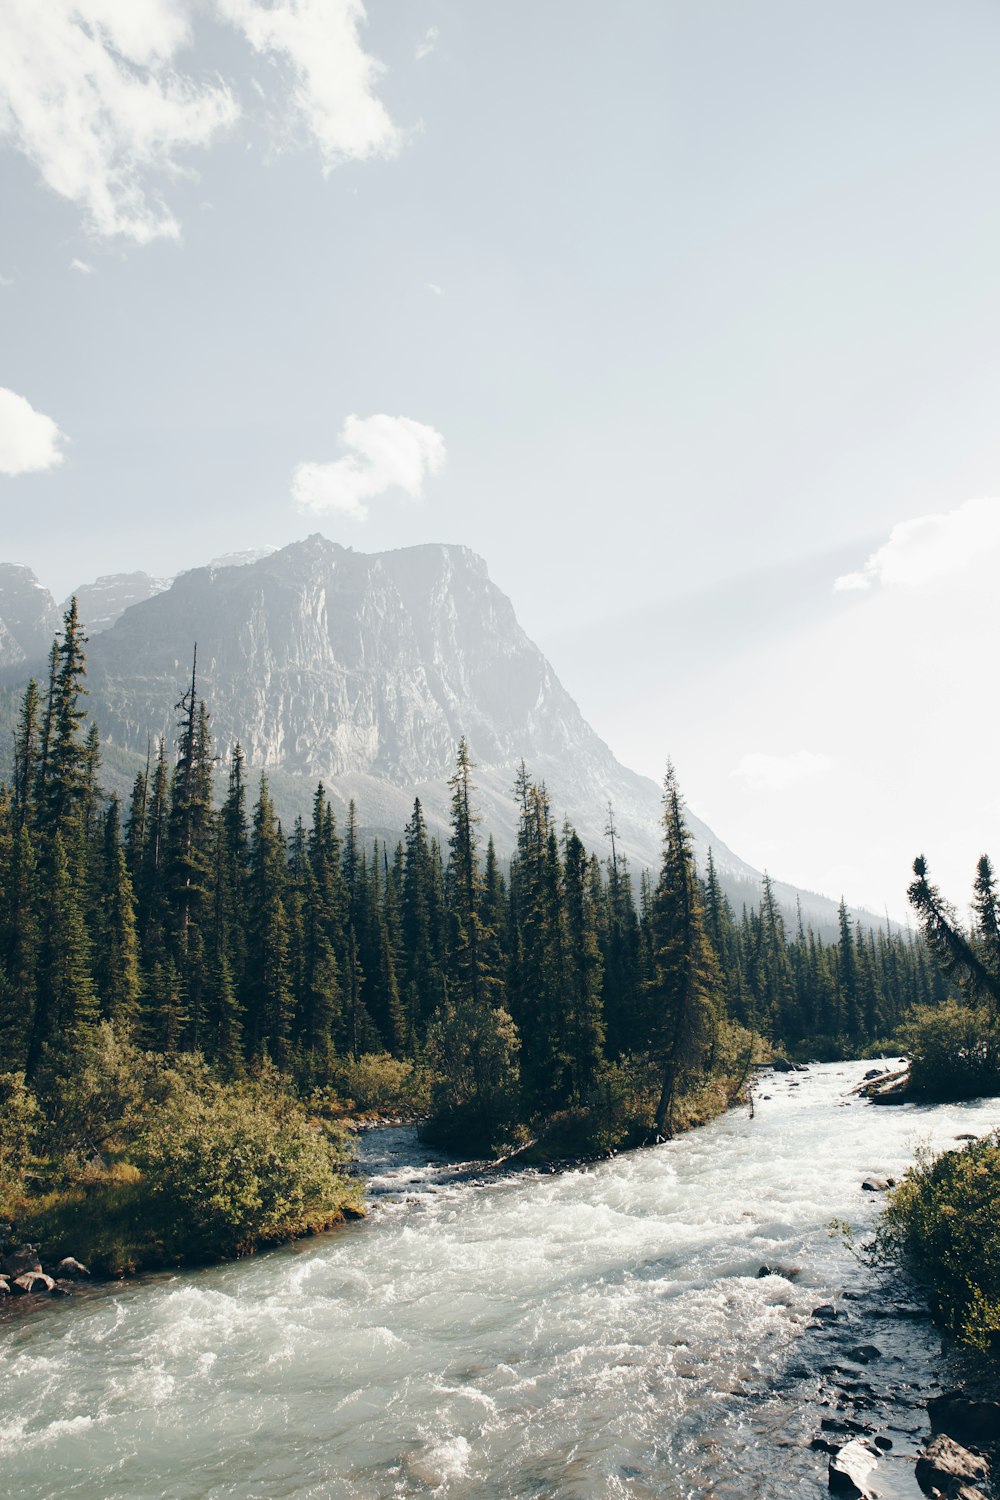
[597,1332]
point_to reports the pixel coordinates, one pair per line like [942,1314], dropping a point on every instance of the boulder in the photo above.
[967,1135]
[23,1259]
[4,1287]
[877,1184]
[946,1466]
[851,1470]
[782,1065]
[70,1269]
[963,1418]
[63,1288]
[863,1354]
[827,1311]
[32,1281]
[874,1073]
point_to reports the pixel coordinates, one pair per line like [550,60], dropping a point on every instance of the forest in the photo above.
[553,996]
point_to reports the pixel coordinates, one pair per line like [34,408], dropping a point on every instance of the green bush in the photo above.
[954,1051]
[237,1165]
[944,1221]
[378,1083]
[152,1163]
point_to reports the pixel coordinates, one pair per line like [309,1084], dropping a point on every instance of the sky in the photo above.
[683,314]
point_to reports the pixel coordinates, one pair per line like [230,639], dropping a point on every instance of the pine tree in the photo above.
[686,983]
[269,996]
[585,971]
[117,957]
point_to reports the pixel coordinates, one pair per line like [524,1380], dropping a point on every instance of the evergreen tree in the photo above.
[686,983]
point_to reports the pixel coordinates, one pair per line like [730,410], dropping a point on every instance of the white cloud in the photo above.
[385,452]
[81,266]
[427,43]
[29,440]
[334,78]
[91,93]
[929,546]
[438,291]
[6,280]
[775,773]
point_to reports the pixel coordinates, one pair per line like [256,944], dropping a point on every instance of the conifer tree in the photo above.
[269,996]
[117,956]
[686,983]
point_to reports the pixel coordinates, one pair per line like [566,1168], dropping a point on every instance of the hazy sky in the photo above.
[676,312]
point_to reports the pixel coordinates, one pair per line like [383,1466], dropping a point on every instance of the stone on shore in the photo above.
[965,1419]
[70,1269]
[945,1467]
[32,1281]
[23,1259]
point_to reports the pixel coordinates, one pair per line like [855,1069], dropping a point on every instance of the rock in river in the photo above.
[851,1470]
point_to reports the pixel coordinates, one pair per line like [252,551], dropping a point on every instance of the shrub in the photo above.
[954,1051]
[152,1162]
[944,1220]
[237,1165]
[378,1083]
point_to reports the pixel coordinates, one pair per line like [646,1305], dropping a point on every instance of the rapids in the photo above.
[598,1332]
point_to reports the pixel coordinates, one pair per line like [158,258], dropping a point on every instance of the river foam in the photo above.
[598,1332]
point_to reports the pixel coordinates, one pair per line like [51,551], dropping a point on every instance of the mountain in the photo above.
[364,670]
[28,616]
[102,602]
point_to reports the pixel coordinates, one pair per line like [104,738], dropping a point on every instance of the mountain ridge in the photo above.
[364,670]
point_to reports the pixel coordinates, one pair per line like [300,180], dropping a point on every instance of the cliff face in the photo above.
[102,602]
[28,617]
[364,671]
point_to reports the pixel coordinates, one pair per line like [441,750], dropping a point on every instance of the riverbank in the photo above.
[595,1331]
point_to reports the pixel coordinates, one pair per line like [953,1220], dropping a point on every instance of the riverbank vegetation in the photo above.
[132,1160]
[943,1219]
[552,1003]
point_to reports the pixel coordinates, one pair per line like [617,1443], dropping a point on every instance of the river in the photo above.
[599,1332]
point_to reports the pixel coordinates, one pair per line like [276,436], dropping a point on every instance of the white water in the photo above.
[597,1333]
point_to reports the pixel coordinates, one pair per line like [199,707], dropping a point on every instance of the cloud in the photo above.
[775,773]
[29,440]
[929,546]
[91,94]
[385,453]
[333,92]
[81,266]
[438,291]
[427,43]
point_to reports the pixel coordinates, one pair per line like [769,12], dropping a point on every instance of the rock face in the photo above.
[105,600]
[28,617]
